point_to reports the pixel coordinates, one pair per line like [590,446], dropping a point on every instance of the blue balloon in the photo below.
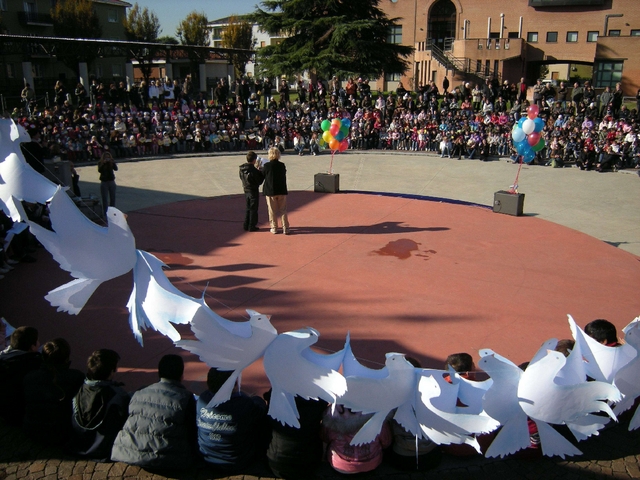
[339,136]
[521,121]
[539,124]
[518,134]
[522,147]
[529,155]
[346,122]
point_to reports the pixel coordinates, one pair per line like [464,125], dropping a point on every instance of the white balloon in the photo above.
[528,126]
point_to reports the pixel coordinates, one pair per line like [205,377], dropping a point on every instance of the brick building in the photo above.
[510,39]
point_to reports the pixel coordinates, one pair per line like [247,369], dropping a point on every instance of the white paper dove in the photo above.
[543,400]
[438,414]
[293,369]
[470,392]
[12,135]
[226,345]
[379,393]
[501,403]
[602,362]
[155,302]
[90,253]
[627,379]
[18,179]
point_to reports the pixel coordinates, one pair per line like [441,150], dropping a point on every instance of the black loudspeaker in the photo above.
[326,182]
[509,203]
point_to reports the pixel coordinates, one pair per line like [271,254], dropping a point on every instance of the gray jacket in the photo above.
[161,429]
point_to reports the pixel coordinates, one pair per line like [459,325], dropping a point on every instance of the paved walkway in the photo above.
[606,206]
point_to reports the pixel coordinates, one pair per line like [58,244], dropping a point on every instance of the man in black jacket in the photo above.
[251,178]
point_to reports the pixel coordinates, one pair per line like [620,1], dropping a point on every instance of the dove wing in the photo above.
[602,362]
[23,182]
[155,302]
[291,373]
[441,423]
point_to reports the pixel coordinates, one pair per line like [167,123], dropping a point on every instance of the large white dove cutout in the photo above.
[439,416]
[294,369]
[227,345]
[627,379]
[90,253]
[379,392]
[544,401]
[501,403]
[602,362]
[155,302]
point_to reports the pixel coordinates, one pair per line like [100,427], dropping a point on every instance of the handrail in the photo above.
[458,64]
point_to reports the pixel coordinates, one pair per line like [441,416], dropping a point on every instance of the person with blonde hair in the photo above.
[275,189]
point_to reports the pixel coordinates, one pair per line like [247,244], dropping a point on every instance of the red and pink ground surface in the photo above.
[401,274]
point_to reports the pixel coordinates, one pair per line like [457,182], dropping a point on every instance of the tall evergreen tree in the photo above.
[329,37]
[238,34]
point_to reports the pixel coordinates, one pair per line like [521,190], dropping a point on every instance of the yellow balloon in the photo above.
[327,137]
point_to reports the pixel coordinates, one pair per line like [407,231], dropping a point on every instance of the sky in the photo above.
[171,12]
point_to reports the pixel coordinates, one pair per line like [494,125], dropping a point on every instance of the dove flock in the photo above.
[552,390]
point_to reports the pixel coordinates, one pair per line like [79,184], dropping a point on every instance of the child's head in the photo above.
[602,331]
[102,364]
[462,363]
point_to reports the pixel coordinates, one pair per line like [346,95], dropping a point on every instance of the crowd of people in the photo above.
[581,128]
[165,427]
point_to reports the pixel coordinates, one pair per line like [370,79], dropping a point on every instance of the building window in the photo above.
[10,72]
[592,36]
[607,74]
[3,5]
[263,44]
[478,66]
[614,33]
[113,16]
[116,70]
[512,35]
[635,33]
[392,77]
[572,37]
[532,37]
[99,71]
[395,35]
[552,37]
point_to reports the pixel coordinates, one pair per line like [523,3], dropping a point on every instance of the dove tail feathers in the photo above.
[72,296]
[224,392]
[553,443]
[369,430]
[282,408]
[512,437]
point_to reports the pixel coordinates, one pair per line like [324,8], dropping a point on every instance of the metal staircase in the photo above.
[457,64]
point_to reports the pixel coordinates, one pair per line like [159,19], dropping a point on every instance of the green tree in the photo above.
[76,19]
[327,37]
[239,35]
[194,30]
[140,25]
[167,40]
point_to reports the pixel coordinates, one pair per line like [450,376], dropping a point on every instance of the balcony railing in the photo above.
[30,18]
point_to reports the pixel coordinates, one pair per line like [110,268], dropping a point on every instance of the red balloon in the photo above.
[334,129]
[533,111]
[533,138]
[344,144]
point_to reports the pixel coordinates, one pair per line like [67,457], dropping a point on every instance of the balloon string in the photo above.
[514,187]
[331,164]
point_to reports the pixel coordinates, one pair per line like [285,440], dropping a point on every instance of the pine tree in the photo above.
[329,37]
